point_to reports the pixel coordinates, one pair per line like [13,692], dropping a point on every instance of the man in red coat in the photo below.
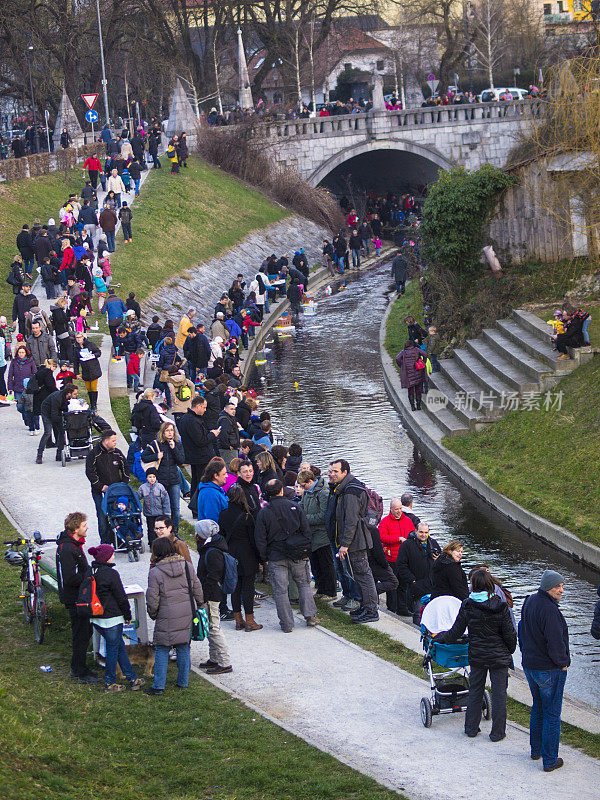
[93,165]
[393,530]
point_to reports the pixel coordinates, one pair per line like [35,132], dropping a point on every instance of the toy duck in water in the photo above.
[295,386]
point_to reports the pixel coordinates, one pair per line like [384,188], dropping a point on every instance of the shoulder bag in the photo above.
[200,622]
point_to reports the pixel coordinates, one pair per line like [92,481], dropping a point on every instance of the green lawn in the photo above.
[179,221]
[23,201]
[63,741]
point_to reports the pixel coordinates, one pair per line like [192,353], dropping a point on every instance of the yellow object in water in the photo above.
[295,386]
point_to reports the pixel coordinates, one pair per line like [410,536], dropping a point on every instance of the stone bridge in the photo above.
[415,144]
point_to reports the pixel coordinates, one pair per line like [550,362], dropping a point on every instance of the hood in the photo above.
[176,380]
[446,558]
[205,528]
[491,606]
[217,541]
[209,487]
[172,566]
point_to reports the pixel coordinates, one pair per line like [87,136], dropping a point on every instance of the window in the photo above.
[547,9]
[561,8]
[380,65]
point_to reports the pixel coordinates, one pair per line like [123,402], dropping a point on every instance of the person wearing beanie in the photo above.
[211,572]
[155,501]
[109,625]
[544,643]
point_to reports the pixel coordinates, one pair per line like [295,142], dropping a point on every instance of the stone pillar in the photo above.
[245,95]
[66,118]
[182,117]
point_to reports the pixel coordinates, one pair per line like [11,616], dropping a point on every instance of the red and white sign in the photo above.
[89,99]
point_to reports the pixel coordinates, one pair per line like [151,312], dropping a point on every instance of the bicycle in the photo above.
[32,591]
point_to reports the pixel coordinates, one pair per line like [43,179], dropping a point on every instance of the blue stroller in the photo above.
[449,689]
[124,513]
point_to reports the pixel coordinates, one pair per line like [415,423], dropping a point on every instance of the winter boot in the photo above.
[93,401]
[240,625]
[251,624]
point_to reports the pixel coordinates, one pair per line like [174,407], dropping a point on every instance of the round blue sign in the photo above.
[91,115]
[431,77]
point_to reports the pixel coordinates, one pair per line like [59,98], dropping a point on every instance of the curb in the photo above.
[428,437]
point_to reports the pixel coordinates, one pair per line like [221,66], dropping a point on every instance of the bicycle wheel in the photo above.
[39,615]
[27,600]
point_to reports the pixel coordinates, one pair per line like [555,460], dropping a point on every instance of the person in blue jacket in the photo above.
[114,308]
[211,497]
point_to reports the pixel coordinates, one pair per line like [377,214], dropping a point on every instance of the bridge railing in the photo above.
[411,118]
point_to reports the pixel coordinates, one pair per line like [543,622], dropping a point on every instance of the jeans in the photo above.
[547,689]
[28,265]
[126,228]
[103,181]
[435,364]
[118,199]
[347,582]
[133,381]
[278,574]
[217,646]
[400,285]
[25,414]
[499,682]
[365,244]
[155,161]
[184,486]
[81,630]
[137,186]
[356,258]
[110,241]
[115,653]
[106,536]
[174,495]
[50,289]
[161,662]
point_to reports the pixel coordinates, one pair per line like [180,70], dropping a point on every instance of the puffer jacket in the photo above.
[168,600]
[90,370]
[449,578]
[168,357]
[71,567]
[155,500]
[352,501]
[146,419]
[18,370]
[414,565]
[409,374]
[229,437]
[173,457]
[492,636]
[314,504]
[111,593]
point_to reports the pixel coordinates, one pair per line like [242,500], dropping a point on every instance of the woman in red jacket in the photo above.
[93,165]
[68,262]
[393,530]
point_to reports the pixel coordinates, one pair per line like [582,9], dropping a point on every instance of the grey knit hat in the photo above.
[205,528]
[550,579]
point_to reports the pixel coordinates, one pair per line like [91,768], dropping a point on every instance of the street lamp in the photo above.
[104,89]
[468,14]
[35,128]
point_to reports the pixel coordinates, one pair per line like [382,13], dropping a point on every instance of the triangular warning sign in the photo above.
[89,99]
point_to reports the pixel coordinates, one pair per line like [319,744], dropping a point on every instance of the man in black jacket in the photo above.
[71,567]
[25,247]
[229,436]
[243,412]
[105,464]
[284,540]
[145,418]
[199,443]
[52,409]
[544,643]
[400,272]
[352,537]
[414,567]
[21,306]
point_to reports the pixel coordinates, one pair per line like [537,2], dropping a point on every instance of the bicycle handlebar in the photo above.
[21,541]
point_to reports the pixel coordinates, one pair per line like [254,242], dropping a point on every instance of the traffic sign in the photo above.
[91,116]
[89,99]
[430,77]
[433,84]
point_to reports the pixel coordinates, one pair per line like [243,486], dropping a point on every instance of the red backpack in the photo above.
[88,604]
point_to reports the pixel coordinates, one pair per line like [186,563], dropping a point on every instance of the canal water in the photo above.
[324,388]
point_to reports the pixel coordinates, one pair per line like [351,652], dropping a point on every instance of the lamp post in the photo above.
[35,128]
[468,13]
[104,89]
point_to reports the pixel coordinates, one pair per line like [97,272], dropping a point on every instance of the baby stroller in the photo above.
[78,433]
[124,512]
[449,689]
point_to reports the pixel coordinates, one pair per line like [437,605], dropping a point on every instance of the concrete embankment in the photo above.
[429,438]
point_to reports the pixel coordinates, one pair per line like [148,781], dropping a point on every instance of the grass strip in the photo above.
[64,741]
[387,648]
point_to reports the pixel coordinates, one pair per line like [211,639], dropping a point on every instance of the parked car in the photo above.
[493,95]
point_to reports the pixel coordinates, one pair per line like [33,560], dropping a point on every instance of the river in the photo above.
[340,409]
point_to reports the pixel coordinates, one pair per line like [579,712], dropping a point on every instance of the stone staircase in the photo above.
[488,376]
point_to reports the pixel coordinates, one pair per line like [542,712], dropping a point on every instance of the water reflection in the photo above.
[340,409]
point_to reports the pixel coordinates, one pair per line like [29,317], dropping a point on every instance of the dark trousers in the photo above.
[3,369]
[49,429]
[112,329]
[93,173]
[364,579]
[244,593]
[151,535]
[499,682]
[104,531]
[126,228]
[414,395]
[64,349]
[323,570]
[81,632]
[396,601]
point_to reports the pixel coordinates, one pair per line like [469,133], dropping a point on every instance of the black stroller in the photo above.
[79,427]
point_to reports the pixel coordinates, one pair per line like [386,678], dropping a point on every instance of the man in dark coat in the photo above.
[21,306]
[71,567]
[283,539]
[105,464]
[414,566]
[43,247]
[400,272]
[352,536]
[199,443]
[25,248]
[52,409]
[229,436]
[544,643]
[146,419]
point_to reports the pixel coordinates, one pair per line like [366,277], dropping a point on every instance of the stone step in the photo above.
[465,380]
[532,345]
[485,364]
[513,351]
[465,401]
[446,421]
[532,324]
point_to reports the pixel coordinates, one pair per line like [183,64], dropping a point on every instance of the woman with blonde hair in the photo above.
[266,469]
[166,454]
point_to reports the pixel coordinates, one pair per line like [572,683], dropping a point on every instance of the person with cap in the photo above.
[545,657]
[211,572]
[71,568]
[218,327]
[116,613]
[168,602]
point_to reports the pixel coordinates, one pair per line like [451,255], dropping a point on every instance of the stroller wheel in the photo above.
[63,458]
[426,712]
[142,547]
[487,705]
[136,555]
[131,555]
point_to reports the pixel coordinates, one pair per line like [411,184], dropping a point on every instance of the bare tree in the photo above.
[490,41]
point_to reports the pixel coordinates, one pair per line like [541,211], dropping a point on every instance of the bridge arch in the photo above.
[429,161]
